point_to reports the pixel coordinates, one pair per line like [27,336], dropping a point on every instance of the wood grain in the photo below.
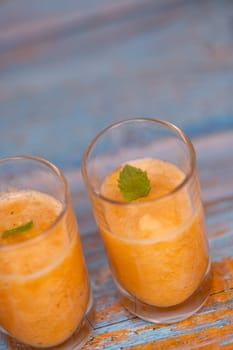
[68,70]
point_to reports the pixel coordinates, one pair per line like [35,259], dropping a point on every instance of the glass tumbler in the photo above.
[45,295]
[156,243]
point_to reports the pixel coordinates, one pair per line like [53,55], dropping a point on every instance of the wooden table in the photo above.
[68,70]
[211,327]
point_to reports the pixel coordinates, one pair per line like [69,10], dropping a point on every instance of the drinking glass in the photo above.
[156,245]
[45,295]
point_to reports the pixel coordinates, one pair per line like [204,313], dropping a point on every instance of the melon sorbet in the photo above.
[44,288]
[156,244]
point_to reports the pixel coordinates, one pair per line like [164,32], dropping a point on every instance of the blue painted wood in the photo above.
[168,62]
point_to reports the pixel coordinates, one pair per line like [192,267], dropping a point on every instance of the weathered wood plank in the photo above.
[23,23]
[171,64]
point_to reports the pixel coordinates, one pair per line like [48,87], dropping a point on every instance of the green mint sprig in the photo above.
[17,229]
[133,183]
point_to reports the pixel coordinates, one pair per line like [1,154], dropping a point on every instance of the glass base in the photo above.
[168,314]
[75,342]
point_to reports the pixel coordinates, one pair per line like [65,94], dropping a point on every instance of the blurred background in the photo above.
[70,68]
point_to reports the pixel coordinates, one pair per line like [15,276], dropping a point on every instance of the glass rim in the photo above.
[61,176]
[169,125]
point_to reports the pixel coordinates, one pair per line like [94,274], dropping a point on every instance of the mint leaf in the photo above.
[21,228]
[133,183]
